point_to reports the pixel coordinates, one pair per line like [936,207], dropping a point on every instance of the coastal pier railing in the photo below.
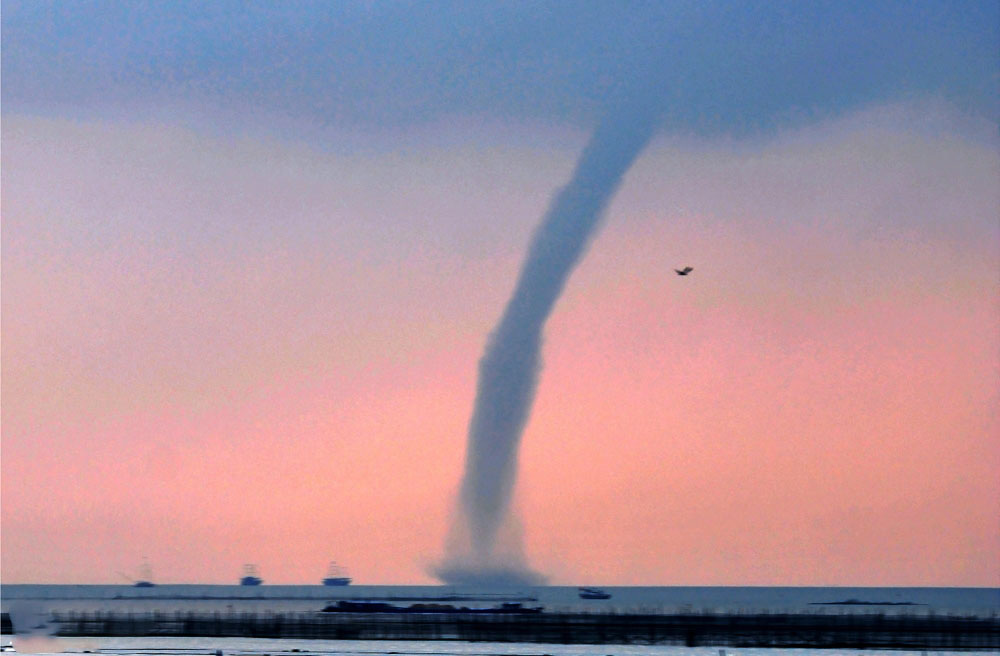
[844,631]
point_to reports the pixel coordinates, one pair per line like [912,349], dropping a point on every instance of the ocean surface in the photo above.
[30,607]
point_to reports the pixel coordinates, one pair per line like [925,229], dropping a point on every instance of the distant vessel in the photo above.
[336,576]
[593,593]
[250,576]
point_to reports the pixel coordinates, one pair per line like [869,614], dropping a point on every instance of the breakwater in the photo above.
[804,630]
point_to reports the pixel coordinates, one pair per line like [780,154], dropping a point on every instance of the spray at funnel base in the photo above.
[485,546]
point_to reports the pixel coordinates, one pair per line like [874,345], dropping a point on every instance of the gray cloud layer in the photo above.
[720,65]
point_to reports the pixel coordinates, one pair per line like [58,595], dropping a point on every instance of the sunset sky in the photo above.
[252,251]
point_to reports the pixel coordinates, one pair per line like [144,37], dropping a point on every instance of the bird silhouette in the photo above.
[684,271]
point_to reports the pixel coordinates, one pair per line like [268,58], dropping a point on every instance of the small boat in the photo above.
[250,576]
[336,576]
[593,593]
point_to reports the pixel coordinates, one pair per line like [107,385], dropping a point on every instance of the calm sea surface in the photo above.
[31,605]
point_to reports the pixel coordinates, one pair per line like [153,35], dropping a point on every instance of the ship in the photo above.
[336,576]
[250,576]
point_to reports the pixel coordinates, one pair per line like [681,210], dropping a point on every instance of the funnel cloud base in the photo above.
[488,577]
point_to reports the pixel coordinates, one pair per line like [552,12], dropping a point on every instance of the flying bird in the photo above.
[684,271]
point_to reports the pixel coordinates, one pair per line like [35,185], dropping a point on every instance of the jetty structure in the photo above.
[514,622]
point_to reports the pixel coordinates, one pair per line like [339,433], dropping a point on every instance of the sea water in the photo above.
[30,607]
[981,602]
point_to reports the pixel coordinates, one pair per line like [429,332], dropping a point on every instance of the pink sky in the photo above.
[224,350]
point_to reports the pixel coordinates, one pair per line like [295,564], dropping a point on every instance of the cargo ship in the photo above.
[336,576]
[250,576]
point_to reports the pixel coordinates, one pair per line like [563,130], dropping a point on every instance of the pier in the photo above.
[818,631]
